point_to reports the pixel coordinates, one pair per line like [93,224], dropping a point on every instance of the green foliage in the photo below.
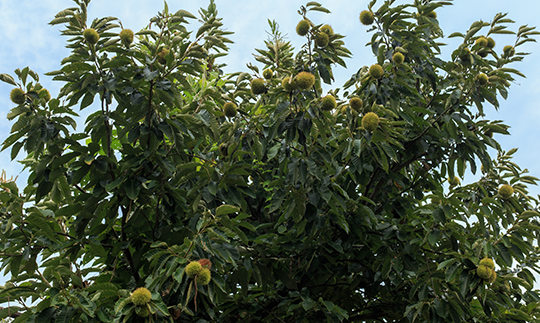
[305,215]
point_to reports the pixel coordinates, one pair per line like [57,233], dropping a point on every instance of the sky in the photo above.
[27,40]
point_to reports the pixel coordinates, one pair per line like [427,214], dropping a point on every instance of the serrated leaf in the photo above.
[56,193]
[456,34]
[78,67]
[184,13]
[15,150]
[452,272]
[5,312]
[321,9]
[8,79]
[41,224]
[203,28]
[518,280]
[147,32]
[102,286]
[241,77]
[112,185]
[257,147]
[161,307]
[59,20]
[16,111]
[121,303]
[23,318]
[64,13]
[15,291]
[132,188]
[226,209]
[445,263]
[511,70]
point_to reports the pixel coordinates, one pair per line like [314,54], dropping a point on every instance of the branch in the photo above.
[408,145]
[124,238]
[370,182]
[105,111]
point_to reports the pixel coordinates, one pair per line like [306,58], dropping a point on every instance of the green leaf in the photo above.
[101,287]
[308,304]
[184,13]
[434,237]
[17,111]
[511,70]
[160,307]
[60,20]
[456,34]
[121,303]
[23,318]
[321,9]
[132,188]
[505,254]
[203,28]
[518,281]
[16,291]
[446,263]
[452,272]
[40,223]
[78,67]
[114,184]
[5,312]
[226,209]
[257,147]
[8,79]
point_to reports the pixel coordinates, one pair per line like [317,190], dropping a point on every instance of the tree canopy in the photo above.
[269,195]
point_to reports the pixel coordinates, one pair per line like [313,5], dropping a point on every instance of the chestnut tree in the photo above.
[287,199]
